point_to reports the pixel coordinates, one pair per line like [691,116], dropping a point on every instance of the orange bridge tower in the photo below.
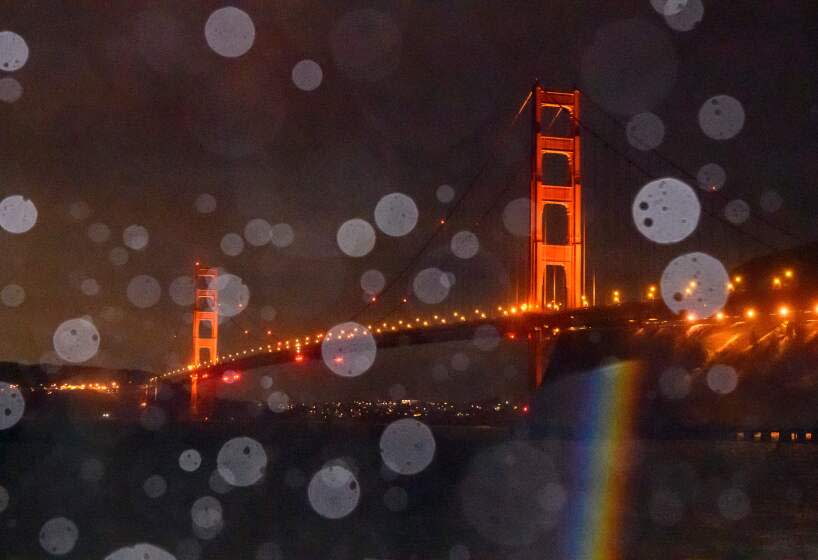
[205,315]
[557,263]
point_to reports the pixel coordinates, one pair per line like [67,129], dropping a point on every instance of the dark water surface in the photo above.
[489,493]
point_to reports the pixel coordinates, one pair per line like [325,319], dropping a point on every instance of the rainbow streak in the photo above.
[602,458]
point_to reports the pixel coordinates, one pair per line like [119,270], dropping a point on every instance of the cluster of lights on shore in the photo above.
[110,387]
[297,344]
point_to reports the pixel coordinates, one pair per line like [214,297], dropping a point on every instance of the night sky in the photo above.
[127,116]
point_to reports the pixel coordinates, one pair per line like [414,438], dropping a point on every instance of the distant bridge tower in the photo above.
[205,315]
[557,264]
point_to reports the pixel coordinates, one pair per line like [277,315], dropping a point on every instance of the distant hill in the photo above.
[789,276]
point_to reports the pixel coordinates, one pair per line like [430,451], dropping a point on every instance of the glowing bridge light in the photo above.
[750,313]
[783,311]
[719,316]
[776,282]
[691,317]
[788,273]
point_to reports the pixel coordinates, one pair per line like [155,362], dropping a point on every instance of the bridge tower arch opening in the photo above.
[556,260]
[205,315]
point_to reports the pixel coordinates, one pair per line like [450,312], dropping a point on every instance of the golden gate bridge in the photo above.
[557,300]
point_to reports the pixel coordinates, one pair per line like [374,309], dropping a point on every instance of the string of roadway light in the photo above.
[418,322]
[298,343]
[302,341]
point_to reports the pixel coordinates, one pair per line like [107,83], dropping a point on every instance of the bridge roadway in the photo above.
[518,326]
[770,380]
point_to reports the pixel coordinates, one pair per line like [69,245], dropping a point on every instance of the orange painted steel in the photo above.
[205,312]
[568,256]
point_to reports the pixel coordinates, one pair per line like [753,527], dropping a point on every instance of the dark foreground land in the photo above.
[489,493]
